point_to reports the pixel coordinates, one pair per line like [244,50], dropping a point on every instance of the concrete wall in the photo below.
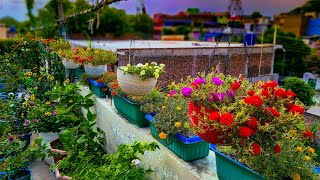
[3,31]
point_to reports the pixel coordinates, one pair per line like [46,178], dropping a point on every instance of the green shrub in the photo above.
[304,92]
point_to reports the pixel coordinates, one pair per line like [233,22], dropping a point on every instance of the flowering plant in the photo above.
[96,57]
[59,44]
[257,123]
[144,71]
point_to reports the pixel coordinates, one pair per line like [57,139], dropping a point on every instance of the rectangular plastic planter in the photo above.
[78,72]
[131,111]
[188,149]
[96,88]
[229,169]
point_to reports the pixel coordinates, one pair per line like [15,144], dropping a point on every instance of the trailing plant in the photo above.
[96,57]
[144,71]
[59,44]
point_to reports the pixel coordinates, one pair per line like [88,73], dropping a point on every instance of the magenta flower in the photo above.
[217,97]
[173,93]
[26,123]
[199,81]
[230,93]
[35,120]
[217,81]
[55,112]
[186,91]
[11,138]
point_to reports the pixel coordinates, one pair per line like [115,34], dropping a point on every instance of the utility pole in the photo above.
[61,20]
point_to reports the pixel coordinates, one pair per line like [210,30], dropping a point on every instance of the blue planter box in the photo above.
[229,169]
[96,88]
[188,149]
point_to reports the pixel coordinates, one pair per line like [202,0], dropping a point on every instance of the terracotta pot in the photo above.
[208,134]
[58,154]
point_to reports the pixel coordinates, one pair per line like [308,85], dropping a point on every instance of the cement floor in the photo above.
[40,171]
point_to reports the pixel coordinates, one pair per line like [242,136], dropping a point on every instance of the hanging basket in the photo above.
[208,133]
[94,70]
[69,64]
[133,85]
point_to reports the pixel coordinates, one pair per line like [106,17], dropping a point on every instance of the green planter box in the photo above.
[188,149]
[96,88]
[78,72]
[131,111]
[229,169]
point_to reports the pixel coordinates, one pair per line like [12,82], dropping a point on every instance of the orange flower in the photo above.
[162,135]
[177,124]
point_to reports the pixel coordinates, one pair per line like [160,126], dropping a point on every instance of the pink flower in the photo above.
[35,120]
[217,81]
[173,93]
[186,91]
[26,123]
[55,112]
[199,81]
[11,138]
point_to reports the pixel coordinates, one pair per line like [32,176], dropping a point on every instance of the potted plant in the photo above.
[99,87]
[171,127]
[56,148]
[140,79]
[95,60]
[70,57]
[259,125]
[129,106]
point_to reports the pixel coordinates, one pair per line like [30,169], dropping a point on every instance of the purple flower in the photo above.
[52,105]
[173,93]
[35,120]
[230,93]
[186,91]
[10,138]
[217,81]
[217,97]
[26,123]
[55,112]
[199,81]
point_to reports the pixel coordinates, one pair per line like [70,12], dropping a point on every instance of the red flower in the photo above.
[254,100]
[251,93]
[270,84]
[104,89]
[100,80]
[235,85]
[214,116]
[90,58]
[256,149]
[194,85]
[290,94]
[297,109]
[290,106]
[277,149]
[273,111]
[252,123]
[308,134]
[280,93]
[113,93]
[226,119]
[245,131]
[265,93]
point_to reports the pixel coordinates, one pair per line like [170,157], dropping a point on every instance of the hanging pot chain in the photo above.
[211,60]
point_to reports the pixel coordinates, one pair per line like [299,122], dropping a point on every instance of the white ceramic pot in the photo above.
[69,64]
[133,85]
[95,70]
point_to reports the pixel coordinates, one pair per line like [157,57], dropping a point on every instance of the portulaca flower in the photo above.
[135,162]
[139,65]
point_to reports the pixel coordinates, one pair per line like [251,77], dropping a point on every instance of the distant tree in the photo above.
[256,15]
[79,24]
[9,21]
[310,6]
[143,26]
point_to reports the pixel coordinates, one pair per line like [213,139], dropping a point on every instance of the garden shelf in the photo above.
[229,169]
[131,111]
[96,88]
[188,149]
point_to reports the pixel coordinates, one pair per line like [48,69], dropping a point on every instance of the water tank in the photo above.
[313,27]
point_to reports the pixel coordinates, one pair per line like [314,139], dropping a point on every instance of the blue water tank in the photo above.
[249,39]
[313,27]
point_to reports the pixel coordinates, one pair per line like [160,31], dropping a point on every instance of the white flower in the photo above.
[11,94]
[128,65]
[154,63]
[139,65]
[135,162]
[146,64]
[162,65]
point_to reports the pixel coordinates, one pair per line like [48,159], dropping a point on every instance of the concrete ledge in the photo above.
[165,163]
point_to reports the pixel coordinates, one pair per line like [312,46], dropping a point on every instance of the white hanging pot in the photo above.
[94,70]
[69,64]
[133,85]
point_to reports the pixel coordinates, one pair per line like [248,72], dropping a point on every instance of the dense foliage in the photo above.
[303,90]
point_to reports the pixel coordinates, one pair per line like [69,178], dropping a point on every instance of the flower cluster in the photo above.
[144,71]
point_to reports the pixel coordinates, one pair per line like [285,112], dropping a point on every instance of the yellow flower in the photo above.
[168,95]
[147,64]
[88,49]
[311,150]
[29,73]
[163,107]
[32,98]
[307,158]
[22,114]
[70,101]
[156,75]
[162,135]
[51,78]
[179,108]
[96,52]
[299,149]
[41,110]
[295,176]
[48,103]
[35,75]
[66,81]
[142,73]
[177,124]
[40,78]
[47,113]
[42,116]
[36,88]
